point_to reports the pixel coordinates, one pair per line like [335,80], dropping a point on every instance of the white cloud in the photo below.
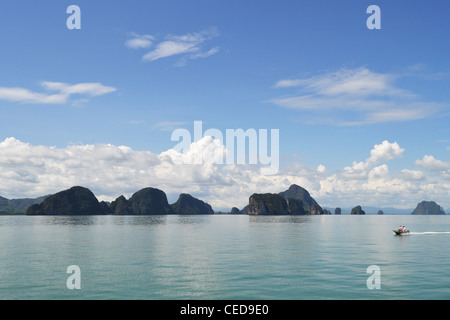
[90,89]
[385,151]
[169,48]
[63,92]
[33,170]
[355,97]
[27,96]
[370,182]
[415,111]
[187,46]
[139,41]
[321,168]
[205,54]
[430,162]
[360,82]
[411,175]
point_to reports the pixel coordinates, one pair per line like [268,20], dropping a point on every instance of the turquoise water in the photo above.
[224,257]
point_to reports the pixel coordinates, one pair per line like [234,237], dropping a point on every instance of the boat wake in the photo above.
[431,232]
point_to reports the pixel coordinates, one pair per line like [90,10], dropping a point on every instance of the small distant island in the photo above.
[152,201]
[357,210]
[17,206]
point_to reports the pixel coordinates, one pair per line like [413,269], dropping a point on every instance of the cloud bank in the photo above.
[34,170]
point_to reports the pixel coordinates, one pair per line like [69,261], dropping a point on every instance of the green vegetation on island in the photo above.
[75,201]
[267,204]
[149,201]
[294,201]
[187,204]
[310,205]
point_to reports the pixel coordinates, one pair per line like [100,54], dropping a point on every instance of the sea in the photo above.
[224,257]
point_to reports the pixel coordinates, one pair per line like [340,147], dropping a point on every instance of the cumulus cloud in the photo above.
[436,166]
[370,182]
[354,97]
[187,46]
[28,170]
[411,175]
[63,92]
[383,152]
[430,162]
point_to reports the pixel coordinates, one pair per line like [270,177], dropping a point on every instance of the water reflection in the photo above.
[193,219]
[67,220]
[279,219]
[139,220]
[101,220]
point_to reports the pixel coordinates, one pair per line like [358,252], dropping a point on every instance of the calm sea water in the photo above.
[224,257]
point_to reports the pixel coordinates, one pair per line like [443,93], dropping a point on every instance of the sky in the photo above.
[362,114]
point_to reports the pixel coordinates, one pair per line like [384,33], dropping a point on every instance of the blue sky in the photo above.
[312,69]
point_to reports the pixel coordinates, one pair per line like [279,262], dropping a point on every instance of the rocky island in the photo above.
[310,205]
[187,204]
[357,210]
[294,201]
[267,204]
[75,201]
[428,208]
[147,201]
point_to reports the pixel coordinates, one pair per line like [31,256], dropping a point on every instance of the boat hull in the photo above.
[401,233]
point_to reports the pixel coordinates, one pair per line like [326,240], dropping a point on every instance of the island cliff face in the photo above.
[187,204]
[294,201]
[120,206]
[295,206]
[267,204]
[151,201]
[147,201]
[310,205]
[75,201]
[428,208]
